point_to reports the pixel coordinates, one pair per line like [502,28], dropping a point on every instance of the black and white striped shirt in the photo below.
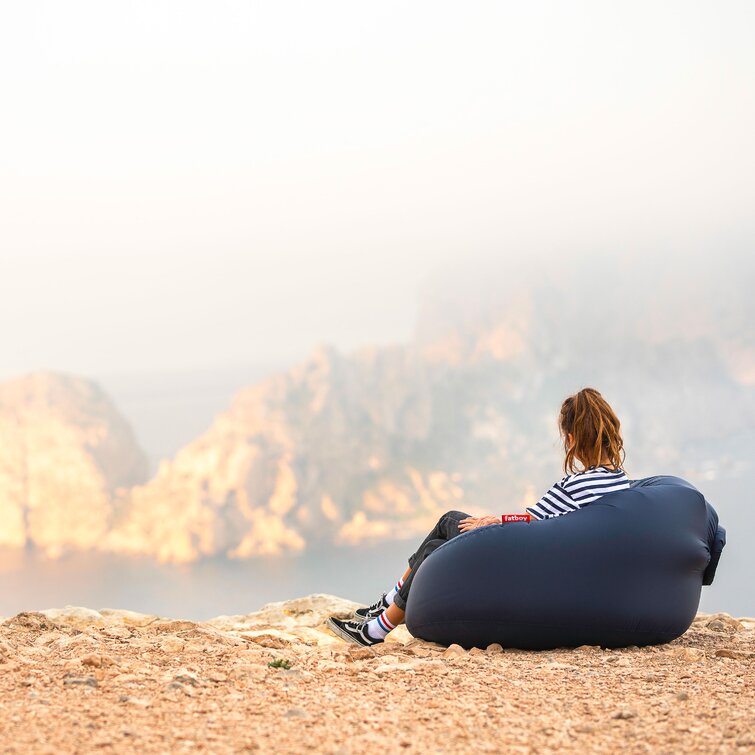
[576,490]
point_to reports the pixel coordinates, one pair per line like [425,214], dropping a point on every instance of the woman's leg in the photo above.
[374,630]
[446,528]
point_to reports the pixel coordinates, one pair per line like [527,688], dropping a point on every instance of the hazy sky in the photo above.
[195,183]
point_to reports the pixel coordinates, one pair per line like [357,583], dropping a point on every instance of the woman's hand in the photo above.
[472,522]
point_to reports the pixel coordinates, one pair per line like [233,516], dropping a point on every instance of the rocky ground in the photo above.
[79,681]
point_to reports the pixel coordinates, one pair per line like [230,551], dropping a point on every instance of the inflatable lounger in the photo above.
[627,569]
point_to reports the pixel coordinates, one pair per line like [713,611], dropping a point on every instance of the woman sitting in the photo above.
[591,434]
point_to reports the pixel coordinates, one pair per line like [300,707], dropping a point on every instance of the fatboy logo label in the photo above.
[515,518]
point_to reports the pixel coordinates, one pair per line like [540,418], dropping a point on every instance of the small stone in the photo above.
[187,678]
[624,714]
[216,676]
[390,668]
[139,702]
[86,681]
[740,655]
[682,696]
[716,625]
[359,653]
[494,648]
[686,654]
[294,673]
[47,638]
[584,729]
[92,660]
[722,622]
[172,645]
[454,650]
[296,713]
[188,691]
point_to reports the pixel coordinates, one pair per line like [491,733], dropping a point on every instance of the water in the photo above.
[197,591]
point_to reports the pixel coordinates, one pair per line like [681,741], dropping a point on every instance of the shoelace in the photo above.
[379,604]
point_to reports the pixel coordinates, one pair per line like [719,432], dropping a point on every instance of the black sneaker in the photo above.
[373,611]
[352,631]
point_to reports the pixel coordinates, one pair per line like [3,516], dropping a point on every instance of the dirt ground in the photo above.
[276,681]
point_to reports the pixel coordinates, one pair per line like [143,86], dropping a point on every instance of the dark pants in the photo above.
[446,528]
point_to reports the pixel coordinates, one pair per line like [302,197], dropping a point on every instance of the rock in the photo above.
[139,702]
[129,618]
[92,660]
[296,713]
[360,653]
[179,687]
[686,654]
[66,453]
[87,681]
[254,672]
[187,677]
[624,714]
[217,676]
[454,650]
[740,655]
[494,648]
[74,616]
[172,645]
[723,622]
[47,638]
[419,651]
[390,668]
[331,666]
[682,696]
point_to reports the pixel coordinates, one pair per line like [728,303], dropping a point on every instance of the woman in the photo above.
[591,433]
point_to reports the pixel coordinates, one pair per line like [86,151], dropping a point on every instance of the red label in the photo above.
[515,518]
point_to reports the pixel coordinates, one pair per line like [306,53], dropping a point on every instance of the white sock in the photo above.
[390,596]
[378,628]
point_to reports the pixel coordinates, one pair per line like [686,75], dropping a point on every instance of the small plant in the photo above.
[280,663]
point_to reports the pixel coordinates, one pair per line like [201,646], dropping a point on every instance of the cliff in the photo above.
[375,445]
[67,455]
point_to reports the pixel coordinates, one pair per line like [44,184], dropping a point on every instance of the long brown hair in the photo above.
[595,429]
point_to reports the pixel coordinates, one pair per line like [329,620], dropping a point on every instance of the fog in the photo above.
[185,185]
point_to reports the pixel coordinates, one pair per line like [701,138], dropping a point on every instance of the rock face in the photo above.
[66,457]
[375,445]
[338,449]
[80,680]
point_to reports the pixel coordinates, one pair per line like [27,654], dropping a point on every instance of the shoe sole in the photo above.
[343,634]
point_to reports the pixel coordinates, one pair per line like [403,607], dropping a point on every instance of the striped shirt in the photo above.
[576,490]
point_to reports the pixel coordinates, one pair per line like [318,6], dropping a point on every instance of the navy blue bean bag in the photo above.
[627,569]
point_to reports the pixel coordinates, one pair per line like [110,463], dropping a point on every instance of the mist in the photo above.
[185,187]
